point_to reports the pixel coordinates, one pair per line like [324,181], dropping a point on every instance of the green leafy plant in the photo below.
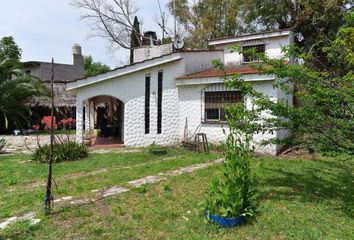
[142,188]
[167,188]
[11,181]
[317,107]
[157,149]
[62,152]
[2,143]
[233,195]
[121,210]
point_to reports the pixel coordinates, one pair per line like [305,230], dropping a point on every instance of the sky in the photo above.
[48,28]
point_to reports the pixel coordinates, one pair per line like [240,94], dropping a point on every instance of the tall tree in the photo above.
[15,88]
[311,19]
[112,20]
[10,55]
[135,38]
[206,19]
[94,68]
[15,91]
[324,119]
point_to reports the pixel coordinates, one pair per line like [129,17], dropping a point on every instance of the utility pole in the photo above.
[48,196]
[163,26]
[174,23]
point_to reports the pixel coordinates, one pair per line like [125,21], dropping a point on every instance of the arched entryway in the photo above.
[104,120]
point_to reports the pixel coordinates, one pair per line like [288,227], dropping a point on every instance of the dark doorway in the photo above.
[108,119]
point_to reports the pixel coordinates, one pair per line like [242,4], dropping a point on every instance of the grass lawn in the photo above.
[299,199]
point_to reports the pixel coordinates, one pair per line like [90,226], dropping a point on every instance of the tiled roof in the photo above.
[220,73]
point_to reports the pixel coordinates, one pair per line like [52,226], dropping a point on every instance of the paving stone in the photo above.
[67,198]
[28,216]
[114,191]
[146,180]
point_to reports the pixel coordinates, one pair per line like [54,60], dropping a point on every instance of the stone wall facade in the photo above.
[147,52]
[131,91]
[182,98]
[191,109]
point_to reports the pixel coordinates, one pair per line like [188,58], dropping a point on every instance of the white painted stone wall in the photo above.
[130,89]
[197,61]
[287,99]
[272,48]
[147,52]
[178,102]
[191,108]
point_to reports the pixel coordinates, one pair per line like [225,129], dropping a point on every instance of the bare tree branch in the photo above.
[109,19]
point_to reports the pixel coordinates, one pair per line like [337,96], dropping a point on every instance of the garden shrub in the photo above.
[233,195]
[62,152]
[157,149]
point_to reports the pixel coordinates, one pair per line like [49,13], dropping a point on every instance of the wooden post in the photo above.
[48,196]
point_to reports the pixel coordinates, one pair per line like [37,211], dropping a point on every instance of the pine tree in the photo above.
[135,40]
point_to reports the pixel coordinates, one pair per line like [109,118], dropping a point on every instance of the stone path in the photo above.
[28,216]
[111,191]
[72,176]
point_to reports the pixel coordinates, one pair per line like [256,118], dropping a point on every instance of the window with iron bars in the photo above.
[215,103]
[247,57]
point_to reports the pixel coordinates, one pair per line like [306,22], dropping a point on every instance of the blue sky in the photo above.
[48,28]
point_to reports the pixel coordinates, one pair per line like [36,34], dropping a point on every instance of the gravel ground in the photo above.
[26,144]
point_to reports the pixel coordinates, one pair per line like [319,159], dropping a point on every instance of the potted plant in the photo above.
[231,199]
[96,132]
[87,139]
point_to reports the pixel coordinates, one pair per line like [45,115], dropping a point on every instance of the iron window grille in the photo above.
[215,103]
[247,56]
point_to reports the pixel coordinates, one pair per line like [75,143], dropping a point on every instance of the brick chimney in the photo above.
[78,59]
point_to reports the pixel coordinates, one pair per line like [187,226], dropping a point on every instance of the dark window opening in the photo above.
[212,114]
[247,56]
[147,104]
[28,73]
[215,103]
[159,102]
[83,118]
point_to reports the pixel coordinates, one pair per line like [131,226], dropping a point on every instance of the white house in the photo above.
[167,95]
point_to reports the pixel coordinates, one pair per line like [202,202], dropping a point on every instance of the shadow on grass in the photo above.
[314,181]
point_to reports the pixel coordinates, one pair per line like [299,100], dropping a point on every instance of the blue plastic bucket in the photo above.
[225,222]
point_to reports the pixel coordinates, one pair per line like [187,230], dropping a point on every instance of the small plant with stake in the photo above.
[48,196]
[2,143]
[233,198]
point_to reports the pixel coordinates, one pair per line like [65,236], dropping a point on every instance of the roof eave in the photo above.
[241,38]
[123,71]
[212,80]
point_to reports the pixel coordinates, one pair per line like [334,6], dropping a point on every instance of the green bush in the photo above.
[62,152]
[157,149]
[2,143]
[234,195]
